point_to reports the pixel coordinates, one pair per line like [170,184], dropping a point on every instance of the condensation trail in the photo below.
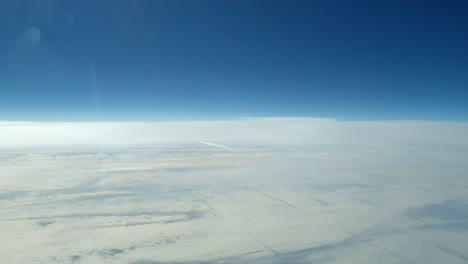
[214,145]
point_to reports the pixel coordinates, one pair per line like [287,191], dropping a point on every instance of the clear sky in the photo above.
[194,59]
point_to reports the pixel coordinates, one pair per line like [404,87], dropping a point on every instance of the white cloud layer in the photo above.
[358,192]
[269,131]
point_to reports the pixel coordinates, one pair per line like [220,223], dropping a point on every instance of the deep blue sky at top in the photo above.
[194,59]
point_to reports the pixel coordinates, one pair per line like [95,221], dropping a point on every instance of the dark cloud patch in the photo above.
[325,253]
[319,201]
[111,252]
[75,258]
[449,210]
[86,187]
[45,223]
[11,195]
[453,252]
[303,256]
[188,214]
[190,262]
[460,225]
[48,197]
[198,168]
[172,221]
[338,186]
[293,257]
[100,197]
[352,191]
[280,201]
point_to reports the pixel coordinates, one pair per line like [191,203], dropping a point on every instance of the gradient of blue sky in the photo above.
[194,59]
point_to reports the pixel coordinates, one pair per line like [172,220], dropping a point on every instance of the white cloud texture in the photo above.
[270,131]
[358,192]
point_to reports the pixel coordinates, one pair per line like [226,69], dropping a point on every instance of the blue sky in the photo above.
[173,60]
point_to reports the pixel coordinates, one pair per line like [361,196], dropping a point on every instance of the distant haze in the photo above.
[269,131]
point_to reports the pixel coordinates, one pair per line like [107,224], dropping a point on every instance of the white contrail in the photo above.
[214,145]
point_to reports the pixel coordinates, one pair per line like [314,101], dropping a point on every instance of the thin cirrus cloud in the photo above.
[268,131]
